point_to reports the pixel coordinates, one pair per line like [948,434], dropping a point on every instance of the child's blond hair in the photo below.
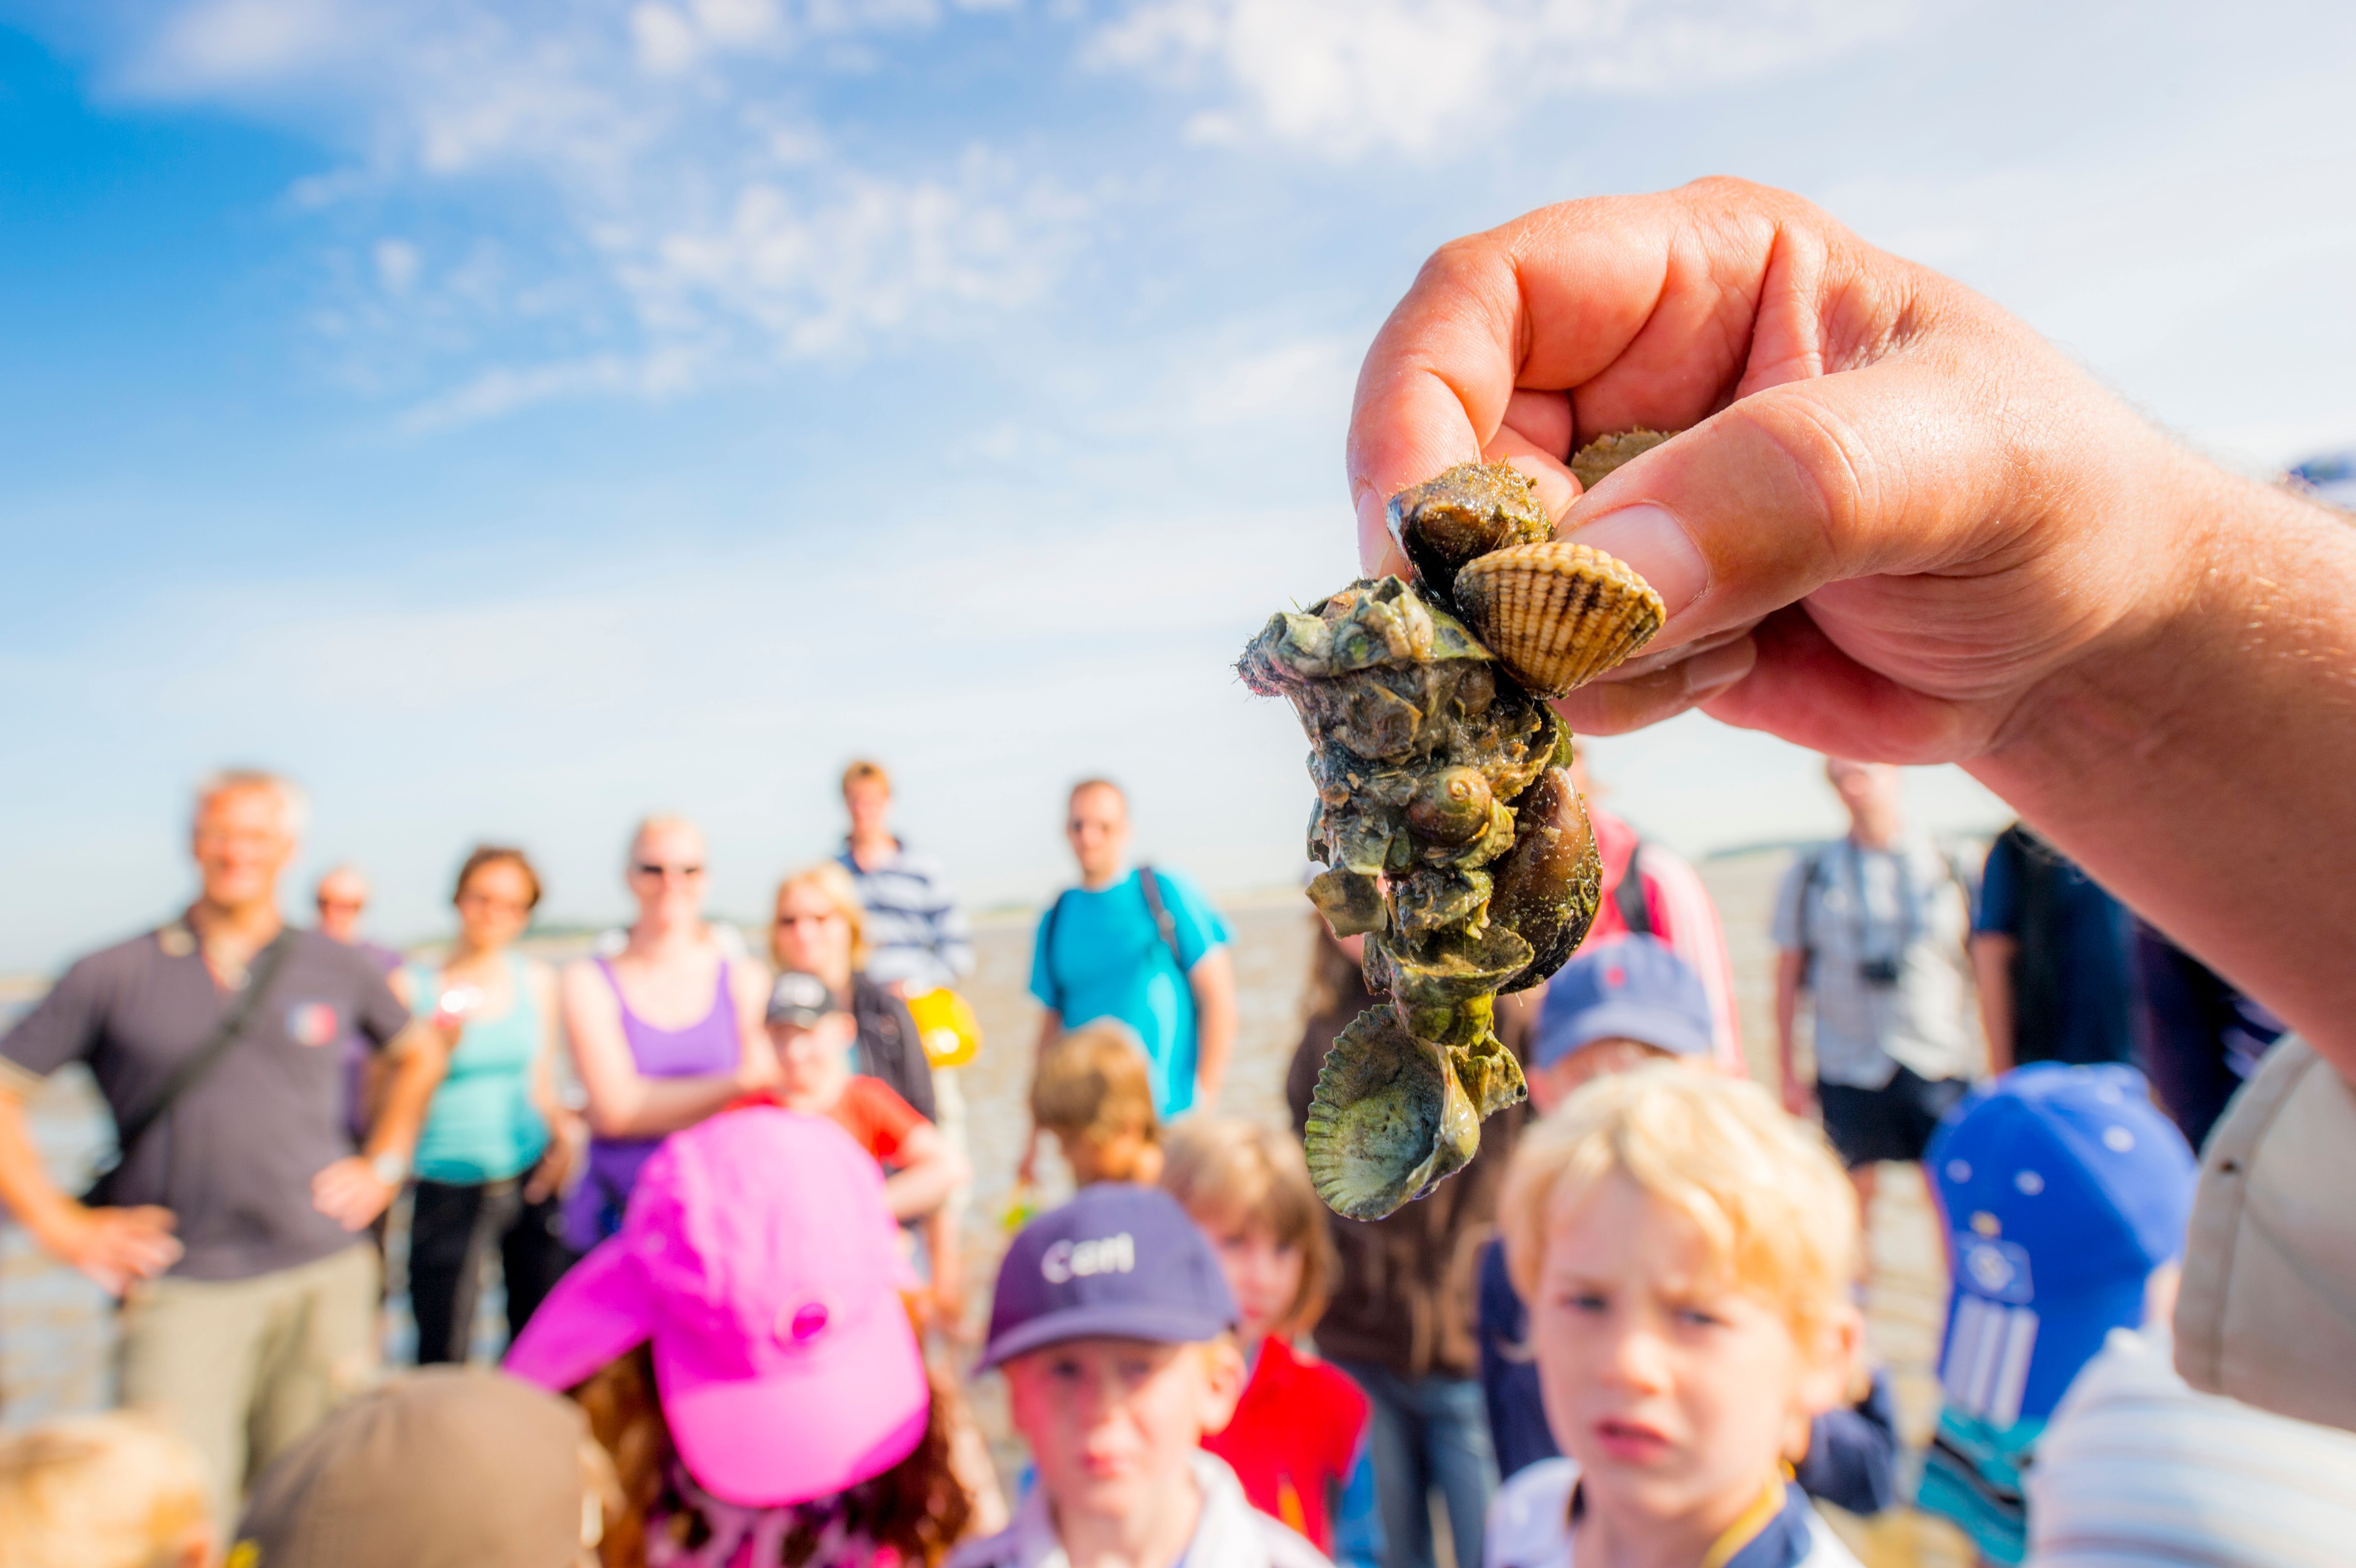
[1228,1172]
[1775,1212]
[1094,1086]
[119,1490]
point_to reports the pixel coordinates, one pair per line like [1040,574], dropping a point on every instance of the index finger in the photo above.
[1642,308]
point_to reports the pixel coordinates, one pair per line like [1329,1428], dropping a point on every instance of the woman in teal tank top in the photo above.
[496,1144]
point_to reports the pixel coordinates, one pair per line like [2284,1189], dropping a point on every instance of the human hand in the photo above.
[1892,509]
[350,1193]
[568,1139]
[117,1247]
[1798,1094]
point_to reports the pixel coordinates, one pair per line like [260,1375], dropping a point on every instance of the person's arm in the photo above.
[349,1191]
[623,1102]
[1897,525]
[942,1246]
[1992,956]
[1213,979]
[567,1135]
[113,1246]
[1791,979]
[929,1171]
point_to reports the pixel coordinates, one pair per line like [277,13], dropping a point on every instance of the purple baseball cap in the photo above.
[1119,1262]
[759,1257]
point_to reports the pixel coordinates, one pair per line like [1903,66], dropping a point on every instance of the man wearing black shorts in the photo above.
[1872,930]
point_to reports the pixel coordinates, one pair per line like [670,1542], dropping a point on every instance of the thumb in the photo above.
[1850,475]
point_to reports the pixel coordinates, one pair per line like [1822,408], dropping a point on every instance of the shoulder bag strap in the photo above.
[1150,883]
[1635,912]
[192,1068]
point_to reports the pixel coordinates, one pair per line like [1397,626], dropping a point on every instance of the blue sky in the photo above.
[513,417]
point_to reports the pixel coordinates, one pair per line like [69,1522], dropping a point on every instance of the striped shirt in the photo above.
[916,932]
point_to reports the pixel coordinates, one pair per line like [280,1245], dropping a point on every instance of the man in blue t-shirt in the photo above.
[1153,956]
[2050,948]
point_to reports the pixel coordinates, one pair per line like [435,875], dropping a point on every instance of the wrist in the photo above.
[390,1166]
[63,1228]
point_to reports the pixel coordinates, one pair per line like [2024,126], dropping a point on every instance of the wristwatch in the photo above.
[390,1166]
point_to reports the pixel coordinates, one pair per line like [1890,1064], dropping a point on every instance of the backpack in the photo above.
[1148,882]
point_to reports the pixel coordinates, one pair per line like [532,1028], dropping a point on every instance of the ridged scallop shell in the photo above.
[1557,615]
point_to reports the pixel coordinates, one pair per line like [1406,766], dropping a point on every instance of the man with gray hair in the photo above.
[229,1225]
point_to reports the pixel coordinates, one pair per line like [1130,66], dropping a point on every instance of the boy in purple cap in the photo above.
[1115,1329]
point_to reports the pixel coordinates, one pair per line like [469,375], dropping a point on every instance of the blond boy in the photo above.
[1686,1248]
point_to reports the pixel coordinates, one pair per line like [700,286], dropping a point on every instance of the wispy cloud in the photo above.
[639,199]
[1348,77]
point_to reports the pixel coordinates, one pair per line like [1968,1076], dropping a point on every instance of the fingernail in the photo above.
[1657,546]
[1716,667]
[1374,529]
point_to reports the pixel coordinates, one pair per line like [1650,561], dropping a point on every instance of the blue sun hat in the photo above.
[2063,1188]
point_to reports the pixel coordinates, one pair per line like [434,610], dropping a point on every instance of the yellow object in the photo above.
[946,1024]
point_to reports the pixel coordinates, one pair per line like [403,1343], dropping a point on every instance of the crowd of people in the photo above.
[723,1186]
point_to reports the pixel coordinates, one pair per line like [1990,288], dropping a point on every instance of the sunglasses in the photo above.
[790,921]
[645,868]
[325,904]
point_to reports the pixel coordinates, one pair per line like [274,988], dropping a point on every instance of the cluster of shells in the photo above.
[1452,835]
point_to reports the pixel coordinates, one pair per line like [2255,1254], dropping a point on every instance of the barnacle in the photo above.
[1453,839]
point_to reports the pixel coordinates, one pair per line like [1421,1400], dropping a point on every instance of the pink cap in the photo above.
[759,1257]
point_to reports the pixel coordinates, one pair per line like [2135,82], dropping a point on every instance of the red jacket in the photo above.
[1296,1434]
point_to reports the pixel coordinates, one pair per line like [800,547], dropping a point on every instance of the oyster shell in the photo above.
[1557,615]
[1452,837]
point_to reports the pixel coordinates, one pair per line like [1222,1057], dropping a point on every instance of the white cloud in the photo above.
[654,204]
[666,41]
[219,44]
[397,264]
[1346,77]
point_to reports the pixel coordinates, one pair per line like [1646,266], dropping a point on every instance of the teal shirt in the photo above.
[1109,962]
[482,1126]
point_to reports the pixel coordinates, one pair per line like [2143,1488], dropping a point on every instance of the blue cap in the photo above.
[1119,1262]
[1633,988]
[2063,1188]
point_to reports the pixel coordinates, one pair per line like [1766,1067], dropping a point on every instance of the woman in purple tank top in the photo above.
[665,1032]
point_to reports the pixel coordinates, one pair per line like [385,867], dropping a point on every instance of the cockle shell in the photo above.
[1557,614]
[1605,453]
[1389,1119]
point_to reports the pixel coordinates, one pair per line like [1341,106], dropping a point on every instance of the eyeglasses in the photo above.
[645,868]
[788,922]
[327,904]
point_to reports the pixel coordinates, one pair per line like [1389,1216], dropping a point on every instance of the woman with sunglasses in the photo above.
[664,1031]
[497,1142]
